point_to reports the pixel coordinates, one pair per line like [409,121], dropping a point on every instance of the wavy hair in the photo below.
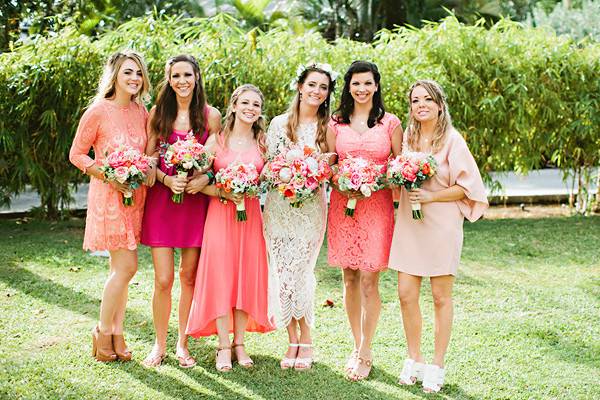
[166,101]
[108,81]
[258,127]
[443,123]
[346,107]
[322,112]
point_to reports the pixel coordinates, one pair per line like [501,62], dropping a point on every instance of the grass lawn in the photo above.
[527,324]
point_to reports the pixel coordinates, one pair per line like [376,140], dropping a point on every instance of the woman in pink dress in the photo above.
[431,247]
[231,290]
[360,245]
[116,117]
[180,109]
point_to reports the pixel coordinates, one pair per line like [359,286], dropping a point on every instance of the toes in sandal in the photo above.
[186,360]
[433,379]
[412,371]
[355,376]
[304,363]
[154,359]
[351,361]
[245,363]
[223,366]
[287,363]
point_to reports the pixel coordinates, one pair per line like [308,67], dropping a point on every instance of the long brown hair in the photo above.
[166,101]
[108,81]
[322,113]
[443,124]
[258,127]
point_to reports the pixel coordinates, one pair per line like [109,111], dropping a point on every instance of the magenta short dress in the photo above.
[167,224]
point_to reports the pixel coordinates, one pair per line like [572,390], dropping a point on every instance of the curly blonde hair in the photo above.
[106,87]
[258,127]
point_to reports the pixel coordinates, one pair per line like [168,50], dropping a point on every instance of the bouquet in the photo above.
[296,174]
[185,155]
[239,178]
[410,170]
[358,174]
[126,166]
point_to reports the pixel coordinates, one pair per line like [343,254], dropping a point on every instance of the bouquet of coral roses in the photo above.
[296,174]
[410,170]
[185,155]
[127,166]
[358,174]
[242,179]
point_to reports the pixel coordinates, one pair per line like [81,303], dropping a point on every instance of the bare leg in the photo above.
[292,329]
[187,277]
[224,352]
[441,288]
[304,352]
[352,302]
[240,321]
[409,287]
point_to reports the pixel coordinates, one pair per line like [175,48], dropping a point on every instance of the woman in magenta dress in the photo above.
[231,290]
[180,109]
[116,117]
[360,245]
[431,247]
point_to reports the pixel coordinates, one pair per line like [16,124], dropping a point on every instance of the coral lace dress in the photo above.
[232,270]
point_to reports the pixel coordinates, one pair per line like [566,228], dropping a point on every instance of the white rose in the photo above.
[312,164]
[188,164]
[365,190]
[294,154]
[285,174]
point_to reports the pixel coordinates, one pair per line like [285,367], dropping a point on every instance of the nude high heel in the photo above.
[123,353]
[102,347]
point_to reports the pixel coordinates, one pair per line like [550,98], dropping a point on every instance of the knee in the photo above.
[163,282]
[351,280]
[369,286]
[187,277]
[408,297]
[441,300]
[127,271]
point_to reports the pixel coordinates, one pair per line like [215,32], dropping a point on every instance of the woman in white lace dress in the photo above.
[294,235]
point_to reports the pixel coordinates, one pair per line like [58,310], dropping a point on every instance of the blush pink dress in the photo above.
[432,246]
[105,126]
[232,270]
[362,242]
[165,223]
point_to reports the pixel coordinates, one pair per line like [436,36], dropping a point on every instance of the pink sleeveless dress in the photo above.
[232,270]
[362,242]
[165,223]
[109,225]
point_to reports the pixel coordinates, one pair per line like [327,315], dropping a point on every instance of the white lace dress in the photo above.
[293,237]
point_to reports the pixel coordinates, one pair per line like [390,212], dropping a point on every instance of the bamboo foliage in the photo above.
[522,97]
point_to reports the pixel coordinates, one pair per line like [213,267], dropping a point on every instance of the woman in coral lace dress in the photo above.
[231,290]
[454,193]
[294,235]
[116,117]
[360,245]
[180,109]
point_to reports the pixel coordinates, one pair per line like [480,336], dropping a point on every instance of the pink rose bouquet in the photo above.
[126,166]
[410,170]
[360,175]
[296,174]
[185,155]
[239,178]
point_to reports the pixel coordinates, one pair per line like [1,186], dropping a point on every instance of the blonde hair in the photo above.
[443,124]
[322,112]
[258,127]
[106,87]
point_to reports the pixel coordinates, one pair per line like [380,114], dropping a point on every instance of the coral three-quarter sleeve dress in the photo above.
[232,270]
[363,241]
[109,225]
[165,223]
[432,246]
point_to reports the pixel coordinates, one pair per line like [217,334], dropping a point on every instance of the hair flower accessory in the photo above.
[313,65]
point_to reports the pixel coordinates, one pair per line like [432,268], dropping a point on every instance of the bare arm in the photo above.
[452,193]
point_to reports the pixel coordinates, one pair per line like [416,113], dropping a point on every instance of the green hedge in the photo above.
[522,97]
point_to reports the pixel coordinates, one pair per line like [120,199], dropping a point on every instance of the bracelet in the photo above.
[163,179]
[211,177]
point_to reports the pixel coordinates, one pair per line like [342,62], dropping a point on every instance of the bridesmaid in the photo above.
[180,108]
[115,117]
[360,245]
[455,192]
[293,249]
[230,294]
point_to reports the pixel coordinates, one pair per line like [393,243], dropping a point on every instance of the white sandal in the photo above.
[412,371]
[306,362]
[287,363]
[433,379]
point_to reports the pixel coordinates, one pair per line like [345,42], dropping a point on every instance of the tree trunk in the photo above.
[393,12]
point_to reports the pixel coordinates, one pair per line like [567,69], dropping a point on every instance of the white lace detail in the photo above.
[293,237]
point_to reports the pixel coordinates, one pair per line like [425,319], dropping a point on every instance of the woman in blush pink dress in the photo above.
[180,109]
[360,245]
[116,117]
[431,247]
[231,290]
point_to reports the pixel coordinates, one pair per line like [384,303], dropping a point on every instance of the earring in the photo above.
[299,95]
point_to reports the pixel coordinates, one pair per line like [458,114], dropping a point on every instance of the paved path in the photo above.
[541,185]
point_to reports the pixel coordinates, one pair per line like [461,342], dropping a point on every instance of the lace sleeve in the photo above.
[85,137]
[276,135]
